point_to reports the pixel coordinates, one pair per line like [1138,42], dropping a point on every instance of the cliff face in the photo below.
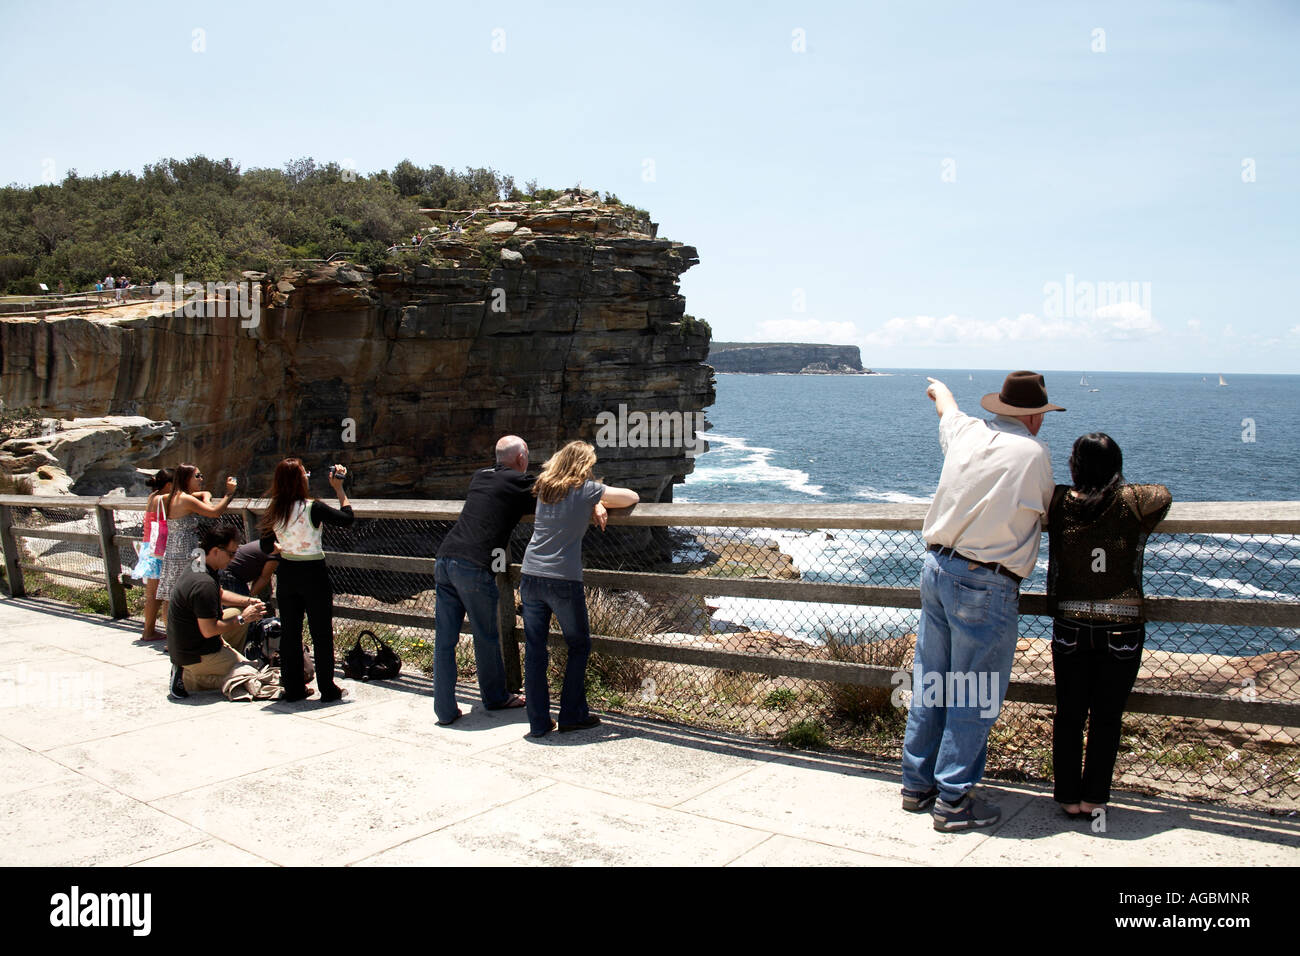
[785,357]
[408,376]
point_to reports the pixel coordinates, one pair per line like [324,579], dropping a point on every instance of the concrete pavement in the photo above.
[98,767]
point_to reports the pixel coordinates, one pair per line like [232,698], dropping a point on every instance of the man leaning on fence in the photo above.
[982,532]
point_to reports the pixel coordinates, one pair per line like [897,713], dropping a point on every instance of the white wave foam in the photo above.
[1241,587]
[756,469]
[890,497]
[813,622]
[1276,540]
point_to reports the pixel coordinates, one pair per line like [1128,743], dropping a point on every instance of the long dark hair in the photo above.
[160,480]
[288,487]
[1096,468]
[181,482]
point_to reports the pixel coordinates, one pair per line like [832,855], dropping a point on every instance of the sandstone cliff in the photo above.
[534,326]
[792,357]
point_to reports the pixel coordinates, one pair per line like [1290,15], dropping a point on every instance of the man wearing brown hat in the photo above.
[982,532]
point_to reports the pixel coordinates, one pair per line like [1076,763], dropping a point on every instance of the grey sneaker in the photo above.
[918,801]
[968,813]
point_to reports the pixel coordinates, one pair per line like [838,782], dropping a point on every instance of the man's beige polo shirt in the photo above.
[994,490]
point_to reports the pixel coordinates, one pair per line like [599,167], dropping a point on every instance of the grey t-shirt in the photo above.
[556,548]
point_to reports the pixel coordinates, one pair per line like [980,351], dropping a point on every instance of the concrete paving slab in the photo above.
[633,759]
[350,804]
[155,761]
[159,670]
[360,694]
[1140,833]
[841,804]
[96,700]
[114,648]
[207,853]
[16,650]
[787,851]
[410,718]
[24,769]
[85,824]
[565,825]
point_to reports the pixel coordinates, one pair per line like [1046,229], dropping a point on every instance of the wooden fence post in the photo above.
[106,518]
[509,633]
[13,570]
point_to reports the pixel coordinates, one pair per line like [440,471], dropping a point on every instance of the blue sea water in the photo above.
[874,438]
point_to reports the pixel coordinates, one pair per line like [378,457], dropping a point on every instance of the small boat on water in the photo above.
[1221,381]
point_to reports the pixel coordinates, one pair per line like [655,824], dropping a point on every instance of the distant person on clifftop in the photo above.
[1096,533]
[552,583]
[297,522]
[477,545]
[982,531]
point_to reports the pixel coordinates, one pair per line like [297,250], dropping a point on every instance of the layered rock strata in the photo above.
[409,374]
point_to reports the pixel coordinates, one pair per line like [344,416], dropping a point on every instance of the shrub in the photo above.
[806,735]
[857,703]
[781,699]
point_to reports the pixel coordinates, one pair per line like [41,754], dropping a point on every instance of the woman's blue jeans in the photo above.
[543,597]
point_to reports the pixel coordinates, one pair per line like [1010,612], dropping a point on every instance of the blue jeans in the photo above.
[566,599]
[965,646]
[464,588]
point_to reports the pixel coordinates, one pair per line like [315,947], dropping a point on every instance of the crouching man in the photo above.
[205,643]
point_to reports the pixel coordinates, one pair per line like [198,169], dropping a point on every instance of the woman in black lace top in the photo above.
[1097,531]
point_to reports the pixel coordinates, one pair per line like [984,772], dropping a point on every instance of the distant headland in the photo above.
[786,357]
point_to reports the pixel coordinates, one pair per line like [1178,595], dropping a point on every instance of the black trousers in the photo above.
[304,587]
[1095,664]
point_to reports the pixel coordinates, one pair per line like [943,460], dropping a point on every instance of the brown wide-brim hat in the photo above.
[1023,393]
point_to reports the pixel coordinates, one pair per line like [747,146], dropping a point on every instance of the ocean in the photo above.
[874,438]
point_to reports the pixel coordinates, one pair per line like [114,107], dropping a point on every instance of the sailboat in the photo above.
[1221,381]
[1083,381]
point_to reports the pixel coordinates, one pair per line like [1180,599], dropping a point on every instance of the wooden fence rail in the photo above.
[1239,518]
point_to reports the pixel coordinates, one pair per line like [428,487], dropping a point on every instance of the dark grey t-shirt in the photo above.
[556,548]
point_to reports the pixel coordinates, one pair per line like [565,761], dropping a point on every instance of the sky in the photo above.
[1096,186]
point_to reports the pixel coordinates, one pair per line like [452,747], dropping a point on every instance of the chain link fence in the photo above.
[713,614]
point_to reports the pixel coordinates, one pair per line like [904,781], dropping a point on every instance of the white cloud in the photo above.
[1123,321]
[807,330]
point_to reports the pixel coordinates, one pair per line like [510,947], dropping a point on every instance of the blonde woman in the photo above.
[552,583]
